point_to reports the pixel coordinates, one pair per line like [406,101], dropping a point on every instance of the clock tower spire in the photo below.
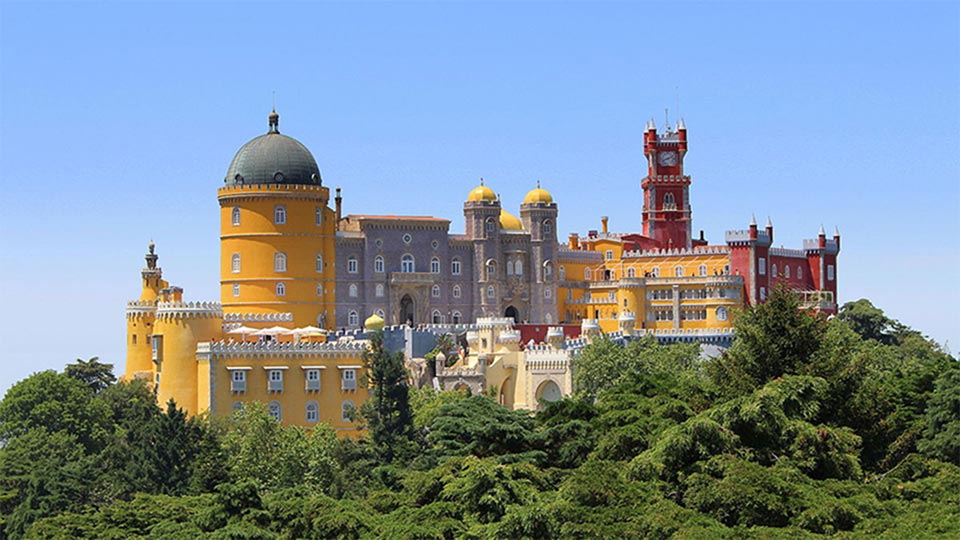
[666,190]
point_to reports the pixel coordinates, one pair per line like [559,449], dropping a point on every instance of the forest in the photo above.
[807,427]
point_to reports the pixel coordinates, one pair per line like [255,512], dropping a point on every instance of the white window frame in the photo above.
[518,268]
[490,225]
[274,379]
[280,214]
[491,292]
[348,378]
[275,410]
[773,270]
[608,255]
[655,272]
[280,289]
[238,381]
[235,263]
[319,289]
[312,412]
[457,317]
[678,271]
[352,265]
[435,265]
[279,262]
[318,216]
[343,409]
[378,265]
[456,291]
[763,294]
[312,377]
[721,313]
[799,272]
[235,216]
[547,268]
[631,272]
[455,267]
[436,317]
[762,266]
[702,270]
[379,290]
[831,272]
[353,291]
[353,318]
[408,263]
[587,274]
[435,291]
[547,227]
[318,263]
[236,290]
[563,273]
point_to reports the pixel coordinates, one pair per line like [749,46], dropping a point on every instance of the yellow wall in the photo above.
[257,239]
[178,366]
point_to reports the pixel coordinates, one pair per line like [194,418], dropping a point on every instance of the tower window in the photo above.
[236,290]
[280,214]
[763,294]
[763,266]
[319,262]
[509,268]
[378,264]
[587,274]
[134,339]
[491,292]
[490,225]
[436,318]
[235,216]
[379,290]
[563,273]
[702,271]
[518,268]
[491,270]
[669,202]
[435,265]
[235,263]
[319,289]
[348,380]
[547,268]
[407,263]
[279,262]
[353,290]
[721,313]
[238,381]
[631,272]
[318,216]
[457,317]
[547,227]
[786,271]
[547,293]
[830,274]
[456,291]
[353,319]
[799,272]
[281,289]
[352,265]
[455,267]
[678,271]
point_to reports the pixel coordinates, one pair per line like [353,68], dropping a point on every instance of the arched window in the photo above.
[702,271]
[435,265]
[548,318]
[353,290]
[281,289]
[773,270]
[631,272]
[378,264]
[587,274]
[491,269]
[491,292]
[721,313]
[319,289]
[491,225]
[353,319]
[279,262]
[655,272]
[547,293]
[668,201]
[547,268]
[318,216]
[455,267]
[407,263]
[763,293]
[313,412]
[786,271]
[275,410]
[509,268]
[319,262]
[380,313]
[563,273]
[456,291]
[457,317]
[352,265]
[379,290]
[799,272]
[235,216]
[678,271]
[236,290]
[280,214]
[436,318]
[518,268]
[346,410]
[547,227]
[235,263]
[435,291]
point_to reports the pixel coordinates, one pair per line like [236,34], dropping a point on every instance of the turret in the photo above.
[822,237]
[589,329]
[836,236]
[770,229]
[753,228]
[627,322]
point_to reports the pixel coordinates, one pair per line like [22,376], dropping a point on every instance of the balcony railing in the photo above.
[413,277]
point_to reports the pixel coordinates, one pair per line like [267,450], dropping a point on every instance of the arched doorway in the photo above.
[548,392]
[406,309]
[512,313]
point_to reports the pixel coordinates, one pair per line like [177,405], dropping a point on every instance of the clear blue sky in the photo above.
[118,121]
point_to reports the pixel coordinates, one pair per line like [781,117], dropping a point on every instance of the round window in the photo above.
[278,177]
[379,243]
[435,244]
[407,238]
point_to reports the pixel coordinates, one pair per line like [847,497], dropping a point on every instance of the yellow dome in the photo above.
[482,193]
[538,196]
[509,222]
[373,323]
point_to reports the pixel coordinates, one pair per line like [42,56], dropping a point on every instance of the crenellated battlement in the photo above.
[257,317]
[668,179]
[274,350]
[676,252]
[138,309]
[182,310]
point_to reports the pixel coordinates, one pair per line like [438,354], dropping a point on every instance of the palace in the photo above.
[298,277]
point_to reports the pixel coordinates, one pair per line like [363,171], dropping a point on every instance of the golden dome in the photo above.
[510,222]
[482,193]
[373,323]
[538,196]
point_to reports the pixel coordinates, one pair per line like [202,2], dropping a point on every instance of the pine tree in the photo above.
[387,410]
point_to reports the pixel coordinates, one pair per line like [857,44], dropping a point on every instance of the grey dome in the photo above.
[273,159]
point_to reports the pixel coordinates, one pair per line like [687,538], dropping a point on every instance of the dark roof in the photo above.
[273,158]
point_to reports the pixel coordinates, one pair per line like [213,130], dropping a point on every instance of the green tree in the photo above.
[941,434]
[95,375]
[479,426]
[387,411]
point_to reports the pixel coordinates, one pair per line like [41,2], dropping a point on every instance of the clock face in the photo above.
[667,158]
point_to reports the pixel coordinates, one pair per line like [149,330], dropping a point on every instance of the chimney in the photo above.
[339,201]
[603,222]
[574,241]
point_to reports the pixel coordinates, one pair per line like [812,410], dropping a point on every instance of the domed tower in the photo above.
[277,232]
[539,215]
[482,216]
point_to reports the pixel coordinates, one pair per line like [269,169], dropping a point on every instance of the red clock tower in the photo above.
[666,190]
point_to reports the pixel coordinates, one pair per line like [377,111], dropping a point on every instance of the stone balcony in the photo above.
[413,278]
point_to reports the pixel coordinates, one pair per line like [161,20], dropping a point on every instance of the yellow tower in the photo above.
[277,232]
[141,316]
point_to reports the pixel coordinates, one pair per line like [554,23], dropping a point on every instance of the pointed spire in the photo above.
[822,232]
[769,223]
[836,231]
[681,125]
[753,220]
[653,124]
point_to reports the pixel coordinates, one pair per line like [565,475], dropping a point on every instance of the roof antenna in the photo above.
[274,104]
[676,90]
[666,118]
